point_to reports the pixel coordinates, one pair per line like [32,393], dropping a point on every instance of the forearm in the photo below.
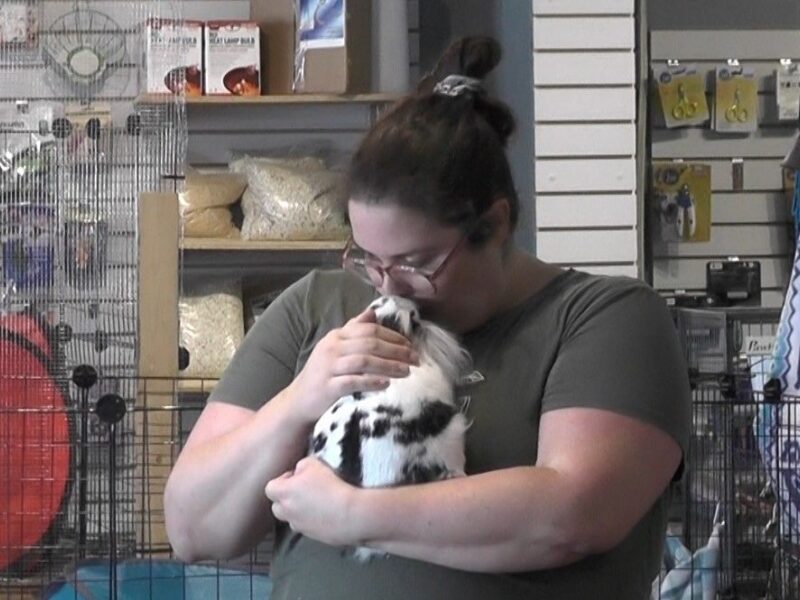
[215,506]
[510,520]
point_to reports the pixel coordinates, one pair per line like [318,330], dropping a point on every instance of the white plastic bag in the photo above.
[212,326]
[291,199]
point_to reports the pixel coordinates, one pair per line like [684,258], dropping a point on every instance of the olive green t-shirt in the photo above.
[583,341]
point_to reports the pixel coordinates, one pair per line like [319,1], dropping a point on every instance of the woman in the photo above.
[579,402]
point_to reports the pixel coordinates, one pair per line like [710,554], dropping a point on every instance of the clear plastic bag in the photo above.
[291,199]
[212,326]
[204,204]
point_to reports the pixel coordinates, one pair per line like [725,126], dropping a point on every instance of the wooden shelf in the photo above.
[260,245]
[196,386]
[275,99]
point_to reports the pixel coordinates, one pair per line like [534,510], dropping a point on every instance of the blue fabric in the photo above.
[690,576]
[777,427]
[159,580]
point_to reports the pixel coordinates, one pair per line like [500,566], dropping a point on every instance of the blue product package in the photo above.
[27,247]
[321,22]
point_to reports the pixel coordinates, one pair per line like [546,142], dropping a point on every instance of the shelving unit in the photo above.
[239,245]
[196,386]
[222,127]
[274,99]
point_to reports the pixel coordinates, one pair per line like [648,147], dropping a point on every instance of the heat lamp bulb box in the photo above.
[232,58]
[174,57]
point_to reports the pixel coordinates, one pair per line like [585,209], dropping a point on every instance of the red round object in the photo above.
[34,440]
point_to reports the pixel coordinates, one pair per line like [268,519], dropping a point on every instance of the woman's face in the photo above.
[391,235]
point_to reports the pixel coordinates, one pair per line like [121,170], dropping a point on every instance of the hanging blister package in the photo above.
[19,23]
[736,100]
[25,133]
[85,249]
[27,246]
[787,91]
[682,92]
[682,201]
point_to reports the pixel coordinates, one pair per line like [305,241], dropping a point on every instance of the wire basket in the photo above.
[106,530]
[728,353]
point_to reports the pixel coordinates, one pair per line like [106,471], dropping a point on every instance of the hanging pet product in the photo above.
[84,48]
[682,198]
[27,246]
[19,23]
[25,142]
[682,92]
[736,99]
[787,90]
[86,241]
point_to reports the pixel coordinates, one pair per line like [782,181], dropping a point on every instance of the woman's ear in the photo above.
[494,223]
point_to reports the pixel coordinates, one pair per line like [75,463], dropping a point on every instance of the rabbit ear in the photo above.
[444,350]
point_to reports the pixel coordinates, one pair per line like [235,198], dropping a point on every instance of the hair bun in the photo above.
[473,56]
[476,57]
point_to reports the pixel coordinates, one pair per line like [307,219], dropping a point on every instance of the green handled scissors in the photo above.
[684,108]
[736,112]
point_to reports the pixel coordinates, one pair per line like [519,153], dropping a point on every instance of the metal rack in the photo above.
[106,536]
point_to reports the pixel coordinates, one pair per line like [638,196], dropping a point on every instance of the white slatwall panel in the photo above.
[585,137]
[753,222]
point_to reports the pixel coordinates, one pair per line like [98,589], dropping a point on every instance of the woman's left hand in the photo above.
[314,501]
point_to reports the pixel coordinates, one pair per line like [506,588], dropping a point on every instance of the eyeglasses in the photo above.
[357,261]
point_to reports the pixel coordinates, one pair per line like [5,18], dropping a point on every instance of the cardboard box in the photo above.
[275,18]
[174,57]
[232,58]
[333,47]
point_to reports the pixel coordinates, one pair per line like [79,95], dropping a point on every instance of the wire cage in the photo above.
[88,519]
[741,456]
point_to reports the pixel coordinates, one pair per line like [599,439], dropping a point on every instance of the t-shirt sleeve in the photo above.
[620,352]
[265,362]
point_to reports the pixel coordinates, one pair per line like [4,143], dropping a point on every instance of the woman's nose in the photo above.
[392,287]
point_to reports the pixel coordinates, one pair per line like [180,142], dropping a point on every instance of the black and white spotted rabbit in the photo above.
[410,432]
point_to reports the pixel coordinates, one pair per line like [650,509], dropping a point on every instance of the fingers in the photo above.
[366,316]
[366,329]
[364,364]
[378,347]
[349,384]
[275,486]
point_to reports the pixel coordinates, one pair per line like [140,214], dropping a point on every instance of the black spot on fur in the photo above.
[380,428]
[319,442]
[432,420]
[334,425]
[391,322]
[389,410]
[420,473]
[336,407]
[351,467]
[357,395]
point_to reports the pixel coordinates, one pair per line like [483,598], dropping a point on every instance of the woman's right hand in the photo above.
[360,356]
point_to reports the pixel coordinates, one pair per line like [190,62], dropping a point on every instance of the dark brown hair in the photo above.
[441,155]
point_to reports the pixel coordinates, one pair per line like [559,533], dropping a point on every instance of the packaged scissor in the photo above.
[682,92]
[681,198]
[736,100]
[787,90]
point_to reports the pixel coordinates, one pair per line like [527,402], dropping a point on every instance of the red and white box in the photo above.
[232,58]
[174,57]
